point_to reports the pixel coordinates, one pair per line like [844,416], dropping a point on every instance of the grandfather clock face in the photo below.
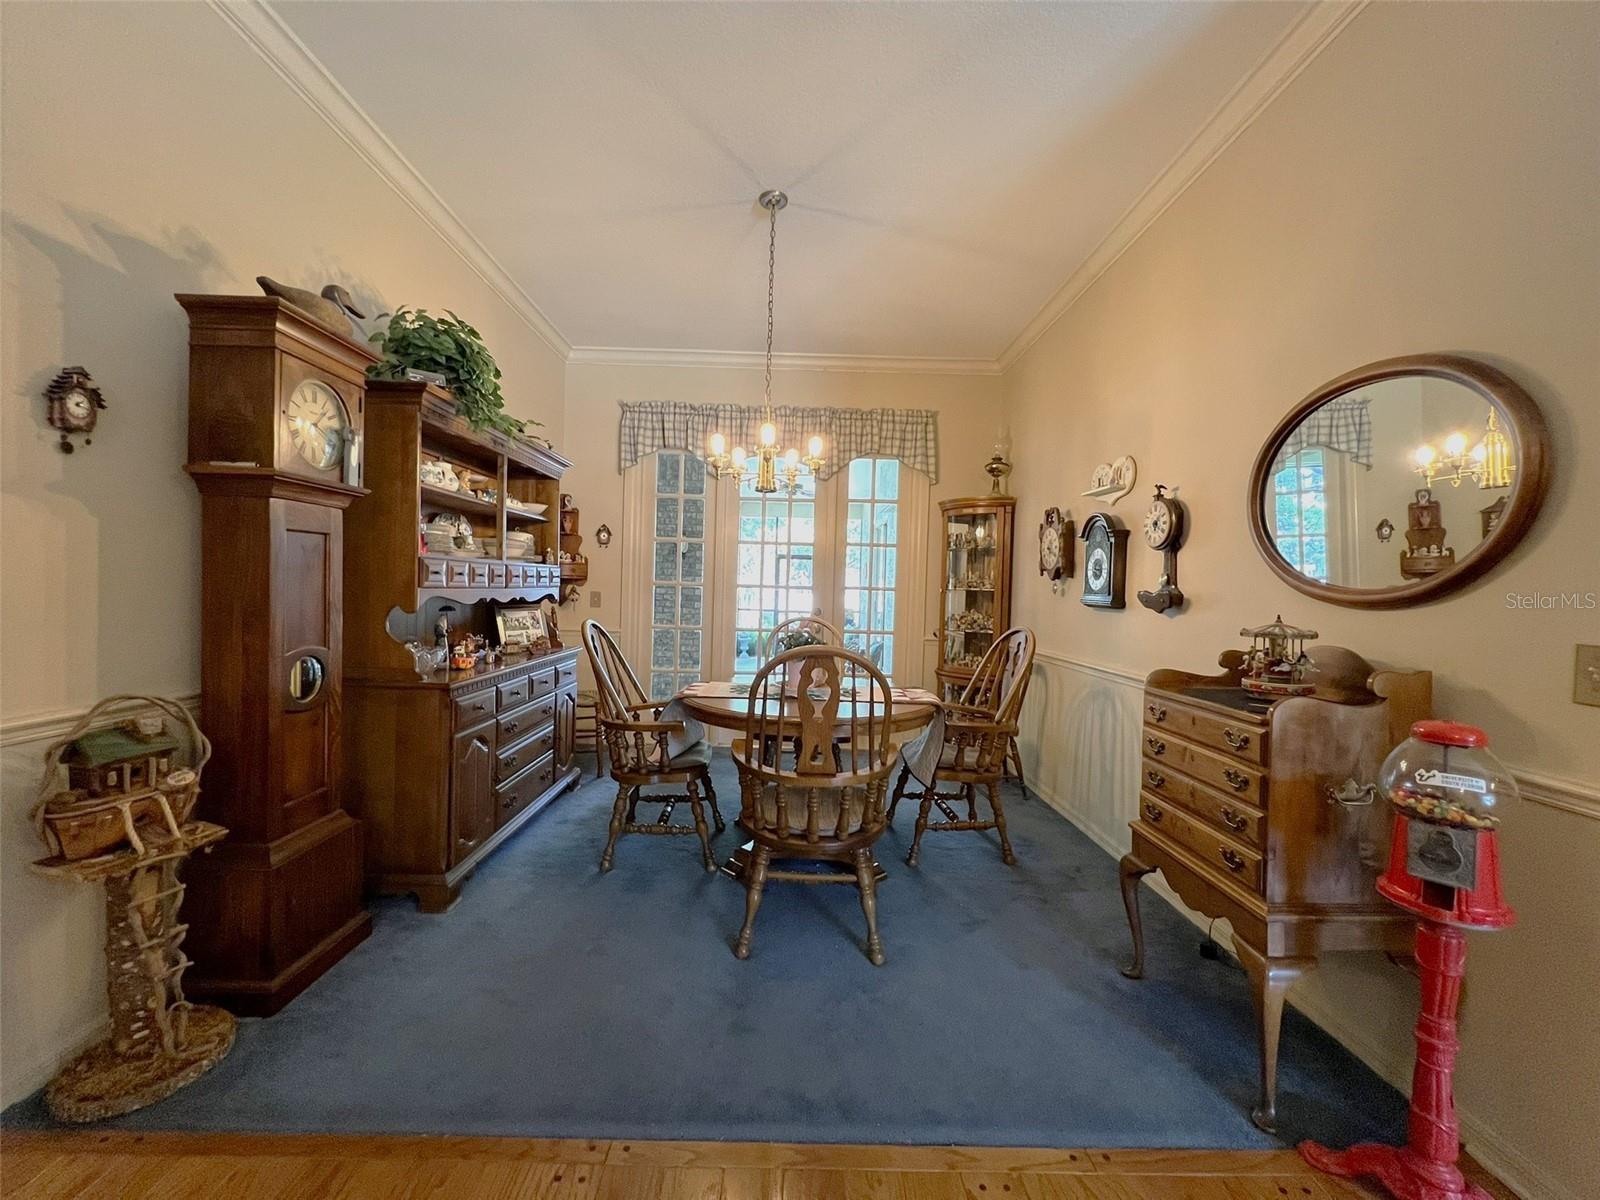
[318,428]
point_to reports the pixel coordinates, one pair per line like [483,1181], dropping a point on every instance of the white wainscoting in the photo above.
[1080,750]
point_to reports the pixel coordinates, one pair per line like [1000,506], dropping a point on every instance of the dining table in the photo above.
[725,704]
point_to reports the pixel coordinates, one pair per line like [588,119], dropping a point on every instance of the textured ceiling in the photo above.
[949,165]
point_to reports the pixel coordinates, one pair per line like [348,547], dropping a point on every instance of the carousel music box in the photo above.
[1448,792]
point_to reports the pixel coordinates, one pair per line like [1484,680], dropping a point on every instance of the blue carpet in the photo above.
[557,1002]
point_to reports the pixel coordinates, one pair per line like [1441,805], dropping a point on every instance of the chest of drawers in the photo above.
[1238,811]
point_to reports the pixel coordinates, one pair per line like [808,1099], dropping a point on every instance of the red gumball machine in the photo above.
[1448,792]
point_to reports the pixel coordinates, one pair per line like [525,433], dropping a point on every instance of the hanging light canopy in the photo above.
[768,463]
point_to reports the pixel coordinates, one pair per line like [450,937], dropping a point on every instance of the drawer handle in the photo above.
[1236,739]
[511,726]
[479,706]
[1155,779]
[1158,713]
[1232,858]
[1237,780]
[1233,820]
[1152,813]
[1156,745]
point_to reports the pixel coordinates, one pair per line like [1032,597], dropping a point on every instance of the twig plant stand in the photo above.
[126,824]
[159,1041]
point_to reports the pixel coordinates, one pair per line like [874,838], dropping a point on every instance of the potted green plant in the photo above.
[416,340]
[802,635]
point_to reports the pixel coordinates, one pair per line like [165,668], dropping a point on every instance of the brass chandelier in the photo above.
[768,465]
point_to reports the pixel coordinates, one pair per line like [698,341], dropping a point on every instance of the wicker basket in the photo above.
[75,826]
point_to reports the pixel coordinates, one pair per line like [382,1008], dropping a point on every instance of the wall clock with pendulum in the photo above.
[275,428]
[1055,547]
[1105,562]
[1163,531]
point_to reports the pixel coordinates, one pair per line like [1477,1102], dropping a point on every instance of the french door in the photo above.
[719,566]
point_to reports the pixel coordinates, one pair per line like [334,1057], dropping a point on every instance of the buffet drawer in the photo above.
[513,694]
[430,573]
[528,750]
[456,574]
[473,708]
[518,792]
[530,716]
[1237,739]
[497,575]
[1229,776]
[566,674]
[541,683]
[1226,857]
[1227,813]
[478,574]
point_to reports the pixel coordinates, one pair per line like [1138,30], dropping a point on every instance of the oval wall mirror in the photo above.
[1400,481]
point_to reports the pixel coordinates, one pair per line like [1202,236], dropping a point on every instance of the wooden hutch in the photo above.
[443,769]
[975,594]
[1258,811]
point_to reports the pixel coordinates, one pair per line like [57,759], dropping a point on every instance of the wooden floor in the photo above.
[35,1166]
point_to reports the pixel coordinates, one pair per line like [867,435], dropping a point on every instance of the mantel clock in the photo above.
[275,426]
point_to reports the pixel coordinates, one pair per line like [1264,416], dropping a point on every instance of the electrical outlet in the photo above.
[594,599]
[1586,676]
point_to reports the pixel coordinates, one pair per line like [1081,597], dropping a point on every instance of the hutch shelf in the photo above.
[975,599]
[445,768]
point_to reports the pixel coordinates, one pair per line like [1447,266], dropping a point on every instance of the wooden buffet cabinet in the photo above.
[443,769]
[1257,813]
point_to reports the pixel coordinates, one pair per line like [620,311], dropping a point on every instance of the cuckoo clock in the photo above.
[73,405]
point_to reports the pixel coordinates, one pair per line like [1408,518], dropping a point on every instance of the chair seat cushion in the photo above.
[697,755]
[795,800]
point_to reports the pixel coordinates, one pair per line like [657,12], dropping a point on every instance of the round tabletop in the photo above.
[713,706]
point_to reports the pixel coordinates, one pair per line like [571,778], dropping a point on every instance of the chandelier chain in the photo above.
[772,265]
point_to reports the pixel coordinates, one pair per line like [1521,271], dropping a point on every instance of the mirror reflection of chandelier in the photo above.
[1488,463]
[768,463]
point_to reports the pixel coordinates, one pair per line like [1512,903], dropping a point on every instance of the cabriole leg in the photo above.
[1132,870]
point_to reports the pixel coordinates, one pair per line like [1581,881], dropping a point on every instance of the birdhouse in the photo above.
[119,760]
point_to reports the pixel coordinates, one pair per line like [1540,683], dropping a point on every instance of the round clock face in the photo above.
[77,405]
[1098,568]
[1158,525]
[317,423]
[1049,549]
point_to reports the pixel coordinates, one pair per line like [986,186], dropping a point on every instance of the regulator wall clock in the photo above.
[1105,562]
[1055,548]
[1163,531]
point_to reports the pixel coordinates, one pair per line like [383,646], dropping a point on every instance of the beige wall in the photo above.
[1428,183]
[147,151]
[968,408]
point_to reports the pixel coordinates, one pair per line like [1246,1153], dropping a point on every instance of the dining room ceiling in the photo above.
[949,166]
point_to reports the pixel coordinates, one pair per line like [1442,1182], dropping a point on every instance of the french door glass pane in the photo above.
[1300,512]
[677,613]
[871,534]
[774,567]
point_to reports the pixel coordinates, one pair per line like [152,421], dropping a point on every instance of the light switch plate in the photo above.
[1586,676]
[594,599]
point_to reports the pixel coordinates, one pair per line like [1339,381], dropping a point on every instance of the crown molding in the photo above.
[623,356]
[1292,53]
[268,35]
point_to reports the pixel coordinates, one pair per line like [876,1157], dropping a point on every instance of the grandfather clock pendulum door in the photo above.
[275,416]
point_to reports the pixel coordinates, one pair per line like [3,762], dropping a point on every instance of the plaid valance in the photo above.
[908,434]
[1342,424]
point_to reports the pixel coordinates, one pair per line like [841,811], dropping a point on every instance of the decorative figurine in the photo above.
[73,405]
[1112,481]
[1444,866]
[1276,663]
[125,822]
[441,627]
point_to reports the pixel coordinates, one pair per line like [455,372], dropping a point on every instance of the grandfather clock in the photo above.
[275,411]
